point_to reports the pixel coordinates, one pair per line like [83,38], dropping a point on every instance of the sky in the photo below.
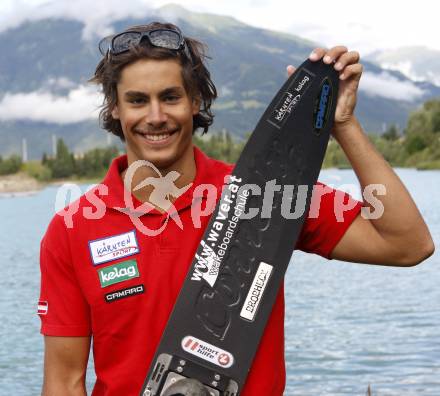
[365,26]
[373,26]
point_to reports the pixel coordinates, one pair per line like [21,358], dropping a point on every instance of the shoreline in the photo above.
[21,184]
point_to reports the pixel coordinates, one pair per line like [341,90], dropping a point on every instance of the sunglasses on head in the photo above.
[164,38]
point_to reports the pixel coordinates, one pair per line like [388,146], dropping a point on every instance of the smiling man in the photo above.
[105,281]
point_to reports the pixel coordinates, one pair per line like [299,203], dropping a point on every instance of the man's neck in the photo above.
[184,166]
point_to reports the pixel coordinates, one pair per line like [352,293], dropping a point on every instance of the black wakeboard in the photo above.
[241,260]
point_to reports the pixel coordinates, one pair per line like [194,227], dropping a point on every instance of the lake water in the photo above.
[347,325]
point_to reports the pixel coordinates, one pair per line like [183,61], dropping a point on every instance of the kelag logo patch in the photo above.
[291,98]
[117,273]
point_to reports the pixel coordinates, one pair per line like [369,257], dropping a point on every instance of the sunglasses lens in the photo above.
[165,39]
[104,45]
[124,41]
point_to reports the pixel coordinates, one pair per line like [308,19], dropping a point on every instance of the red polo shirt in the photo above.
[101,277]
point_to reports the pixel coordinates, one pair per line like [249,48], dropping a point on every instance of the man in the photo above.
[102,278]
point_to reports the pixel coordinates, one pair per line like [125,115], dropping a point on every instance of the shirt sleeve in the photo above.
[330,214]
[62,308]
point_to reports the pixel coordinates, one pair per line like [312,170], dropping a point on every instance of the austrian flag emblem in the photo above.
[43,307]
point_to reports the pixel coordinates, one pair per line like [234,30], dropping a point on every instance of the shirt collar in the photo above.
[205,173]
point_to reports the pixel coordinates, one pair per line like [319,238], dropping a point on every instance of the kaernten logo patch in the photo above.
[112,248]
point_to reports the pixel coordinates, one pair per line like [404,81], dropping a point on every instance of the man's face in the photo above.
[155,111]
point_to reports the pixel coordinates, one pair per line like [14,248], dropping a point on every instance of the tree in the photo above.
[416,142]
[391,133]
[432,108]
[418,122]
[95,162]
[421,132]
[64,163]
[10,165]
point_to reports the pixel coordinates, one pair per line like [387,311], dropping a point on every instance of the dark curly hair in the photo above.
[196,77]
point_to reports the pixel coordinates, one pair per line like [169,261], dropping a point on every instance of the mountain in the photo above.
[417,63]
[45,66]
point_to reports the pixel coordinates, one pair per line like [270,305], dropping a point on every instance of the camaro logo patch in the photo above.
[117,273]
[129,291]
[113,248]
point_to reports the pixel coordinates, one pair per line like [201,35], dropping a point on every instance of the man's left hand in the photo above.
[350,71]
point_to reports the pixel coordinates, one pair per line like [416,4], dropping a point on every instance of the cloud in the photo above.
[97,16]
[388,86]
[81,104]
[364,31]
[56,84]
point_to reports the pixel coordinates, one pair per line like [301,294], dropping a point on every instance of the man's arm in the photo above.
[399,237]
[65,365]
